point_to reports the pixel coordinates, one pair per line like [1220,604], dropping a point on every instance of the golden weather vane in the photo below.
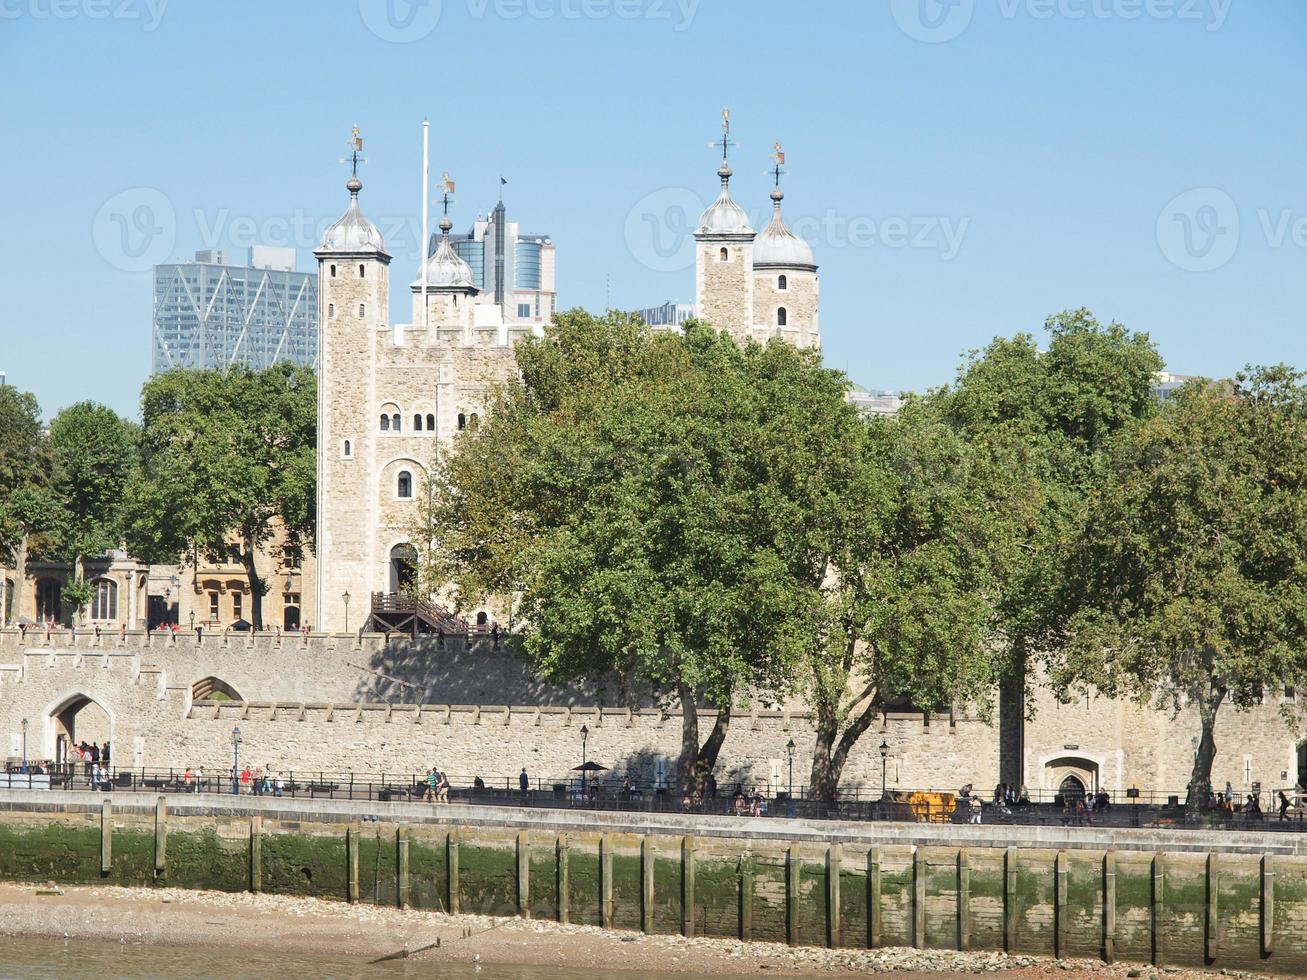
[355,145]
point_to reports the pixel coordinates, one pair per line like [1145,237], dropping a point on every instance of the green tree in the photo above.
[1186,577]
[1046,420]
[908,608]
[227,458]
[27,505]
[619,495]
[95,459]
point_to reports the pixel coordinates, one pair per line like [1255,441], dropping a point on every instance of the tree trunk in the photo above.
[823,779]
[256,586]
[697,761]
[79,575]
[20,578]
[1200,781]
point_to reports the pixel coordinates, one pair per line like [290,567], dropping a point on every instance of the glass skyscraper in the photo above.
[211,315]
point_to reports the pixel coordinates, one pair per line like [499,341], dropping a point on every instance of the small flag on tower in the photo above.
[356,140]
[779,155]
[449,184]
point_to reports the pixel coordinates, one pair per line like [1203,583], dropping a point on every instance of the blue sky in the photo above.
[963,168]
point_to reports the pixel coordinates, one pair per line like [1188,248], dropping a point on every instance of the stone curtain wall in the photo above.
[1219,910]
[338,704]
[344,703]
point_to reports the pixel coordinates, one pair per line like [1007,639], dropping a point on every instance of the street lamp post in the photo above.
[346,598]
[884,756]
[192,620]
[585,734]
[24,745]
[789,751]
[236,760]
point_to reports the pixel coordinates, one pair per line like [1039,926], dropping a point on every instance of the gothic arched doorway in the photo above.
[1071,790]
[76,719]
[403,567]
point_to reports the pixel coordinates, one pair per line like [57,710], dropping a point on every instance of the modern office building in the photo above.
[874,402]
[212,315]
[668,315]
[511,269]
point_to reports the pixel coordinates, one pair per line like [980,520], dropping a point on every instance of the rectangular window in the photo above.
[236,605]
[523,311]
[213,607]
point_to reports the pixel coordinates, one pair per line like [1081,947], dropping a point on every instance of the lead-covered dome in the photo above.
[724,216]
[353,233]
[446,268]
[778,247]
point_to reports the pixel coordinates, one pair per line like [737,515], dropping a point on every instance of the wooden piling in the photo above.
[403,884]
[523,875]
[746,898]
[793,865]
[1009,899]
[1061,920]
[352,862]
[873,897]
[1109,907]
[1212,909]
[606,881]
[451,870]
[646,884]
[106,837]
[918,898]
[161,836]
[1158,904]
[834,857]
[561,849]
[1268,906]
[687,886]
[964,899]
[256,853]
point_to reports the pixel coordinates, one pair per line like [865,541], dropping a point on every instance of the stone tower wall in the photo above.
[724,290]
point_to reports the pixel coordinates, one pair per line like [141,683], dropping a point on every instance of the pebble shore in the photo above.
[170,916]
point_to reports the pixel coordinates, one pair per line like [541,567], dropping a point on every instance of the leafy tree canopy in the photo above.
[227,456]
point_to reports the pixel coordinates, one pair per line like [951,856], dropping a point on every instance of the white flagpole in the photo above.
[426,126]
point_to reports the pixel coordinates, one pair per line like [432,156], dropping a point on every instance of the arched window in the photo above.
[462,421]
[361,311]
[782,283]
[781,316]
[404,485]
[431,422]
[333,271]
[724,254]
[417,423]
[482,619]
[331,310]
[472,420]
[394,421]
[349,450]
[385,422]
[104,599]
[362,271]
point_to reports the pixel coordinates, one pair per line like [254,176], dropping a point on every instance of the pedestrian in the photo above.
[975,806]
[442,788]
[246,779]
[199,779]
[1284,806]
[104,753]
[256,785]
[278,785]
[432,781]
[524,782]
